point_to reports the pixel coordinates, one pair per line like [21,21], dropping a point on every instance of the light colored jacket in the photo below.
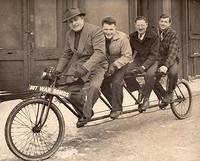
[120,50]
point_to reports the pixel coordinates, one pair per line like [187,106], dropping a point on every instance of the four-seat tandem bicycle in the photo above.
[35,128]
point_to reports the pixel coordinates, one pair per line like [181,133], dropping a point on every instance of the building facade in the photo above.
[32,32]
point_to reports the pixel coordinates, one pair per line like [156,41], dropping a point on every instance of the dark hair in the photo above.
[141,18]
[108,20]
[166,16]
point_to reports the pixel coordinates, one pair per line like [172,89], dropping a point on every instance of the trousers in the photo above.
[112,89]
[172,74]
[83,95]
[149,77]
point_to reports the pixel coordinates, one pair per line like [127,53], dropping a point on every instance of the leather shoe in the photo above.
[82,121]
[163,105]
[115,114]
[168,98]
[142,107]
[145,103]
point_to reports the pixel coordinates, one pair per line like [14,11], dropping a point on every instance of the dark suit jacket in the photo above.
[145,51]
[90,52]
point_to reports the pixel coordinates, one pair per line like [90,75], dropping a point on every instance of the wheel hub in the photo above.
[36,129]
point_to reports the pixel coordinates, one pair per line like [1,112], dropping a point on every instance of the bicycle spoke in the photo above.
[182,100]
[22,123]
[33,131]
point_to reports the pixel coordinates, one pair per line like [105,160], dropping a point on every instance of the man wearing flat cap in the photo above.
[85,58]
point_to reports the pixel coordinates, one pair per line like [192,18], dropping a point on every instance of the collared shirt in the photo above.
[141,36]
[76,39]
[161,36]
[119,50]
[108,41]
[146,50]
[169,47]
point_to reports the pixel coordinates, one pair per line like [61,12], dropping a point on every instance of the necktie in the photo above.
[161,36]
[141,36]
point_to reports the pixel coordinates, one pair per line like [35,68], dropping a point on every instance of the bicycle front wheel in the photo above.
[182,100]
[26,138]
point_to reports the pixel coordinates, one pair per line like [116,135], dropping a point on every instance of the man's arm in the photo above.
[65,58]
[173,51]
[134,52]
[98,42]
[126,53]
[153,53]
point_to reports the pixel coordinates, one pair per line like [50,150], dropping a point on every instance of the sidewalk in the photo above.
[195,86]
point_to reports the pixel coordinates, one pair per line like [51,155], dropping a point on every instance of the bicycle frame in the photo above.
[66,100]
[33,115]
[43,116]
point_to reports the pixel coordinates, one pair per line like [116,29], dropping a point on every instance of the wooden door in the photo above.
[151,9]
[194,37]
[46,36]
[31,39]
[14,51]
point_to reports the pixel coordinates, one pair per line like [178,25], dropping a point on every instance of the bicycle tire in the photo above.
[182,100]
[36,146]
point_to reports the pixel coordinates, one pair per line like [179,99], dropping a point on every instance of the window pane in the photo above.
[11,24]
[45,24]
[194,16]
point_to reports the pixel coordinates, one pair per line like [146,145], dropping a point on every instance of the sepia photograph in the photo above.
[99,80]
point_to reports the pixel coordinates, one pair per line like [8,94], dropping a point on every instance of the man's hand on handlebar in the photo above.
[139,70]
[163,69]
[80,71]
[50,73]
[56,74]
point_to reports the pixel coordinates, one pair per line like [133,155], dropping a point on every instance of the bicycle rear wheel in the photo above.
[25,138]
[182,100]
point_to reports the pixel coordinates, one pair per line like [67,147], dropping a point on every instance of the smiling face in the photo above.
[109,30]
[141,26]
[164,23]
[76,23]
